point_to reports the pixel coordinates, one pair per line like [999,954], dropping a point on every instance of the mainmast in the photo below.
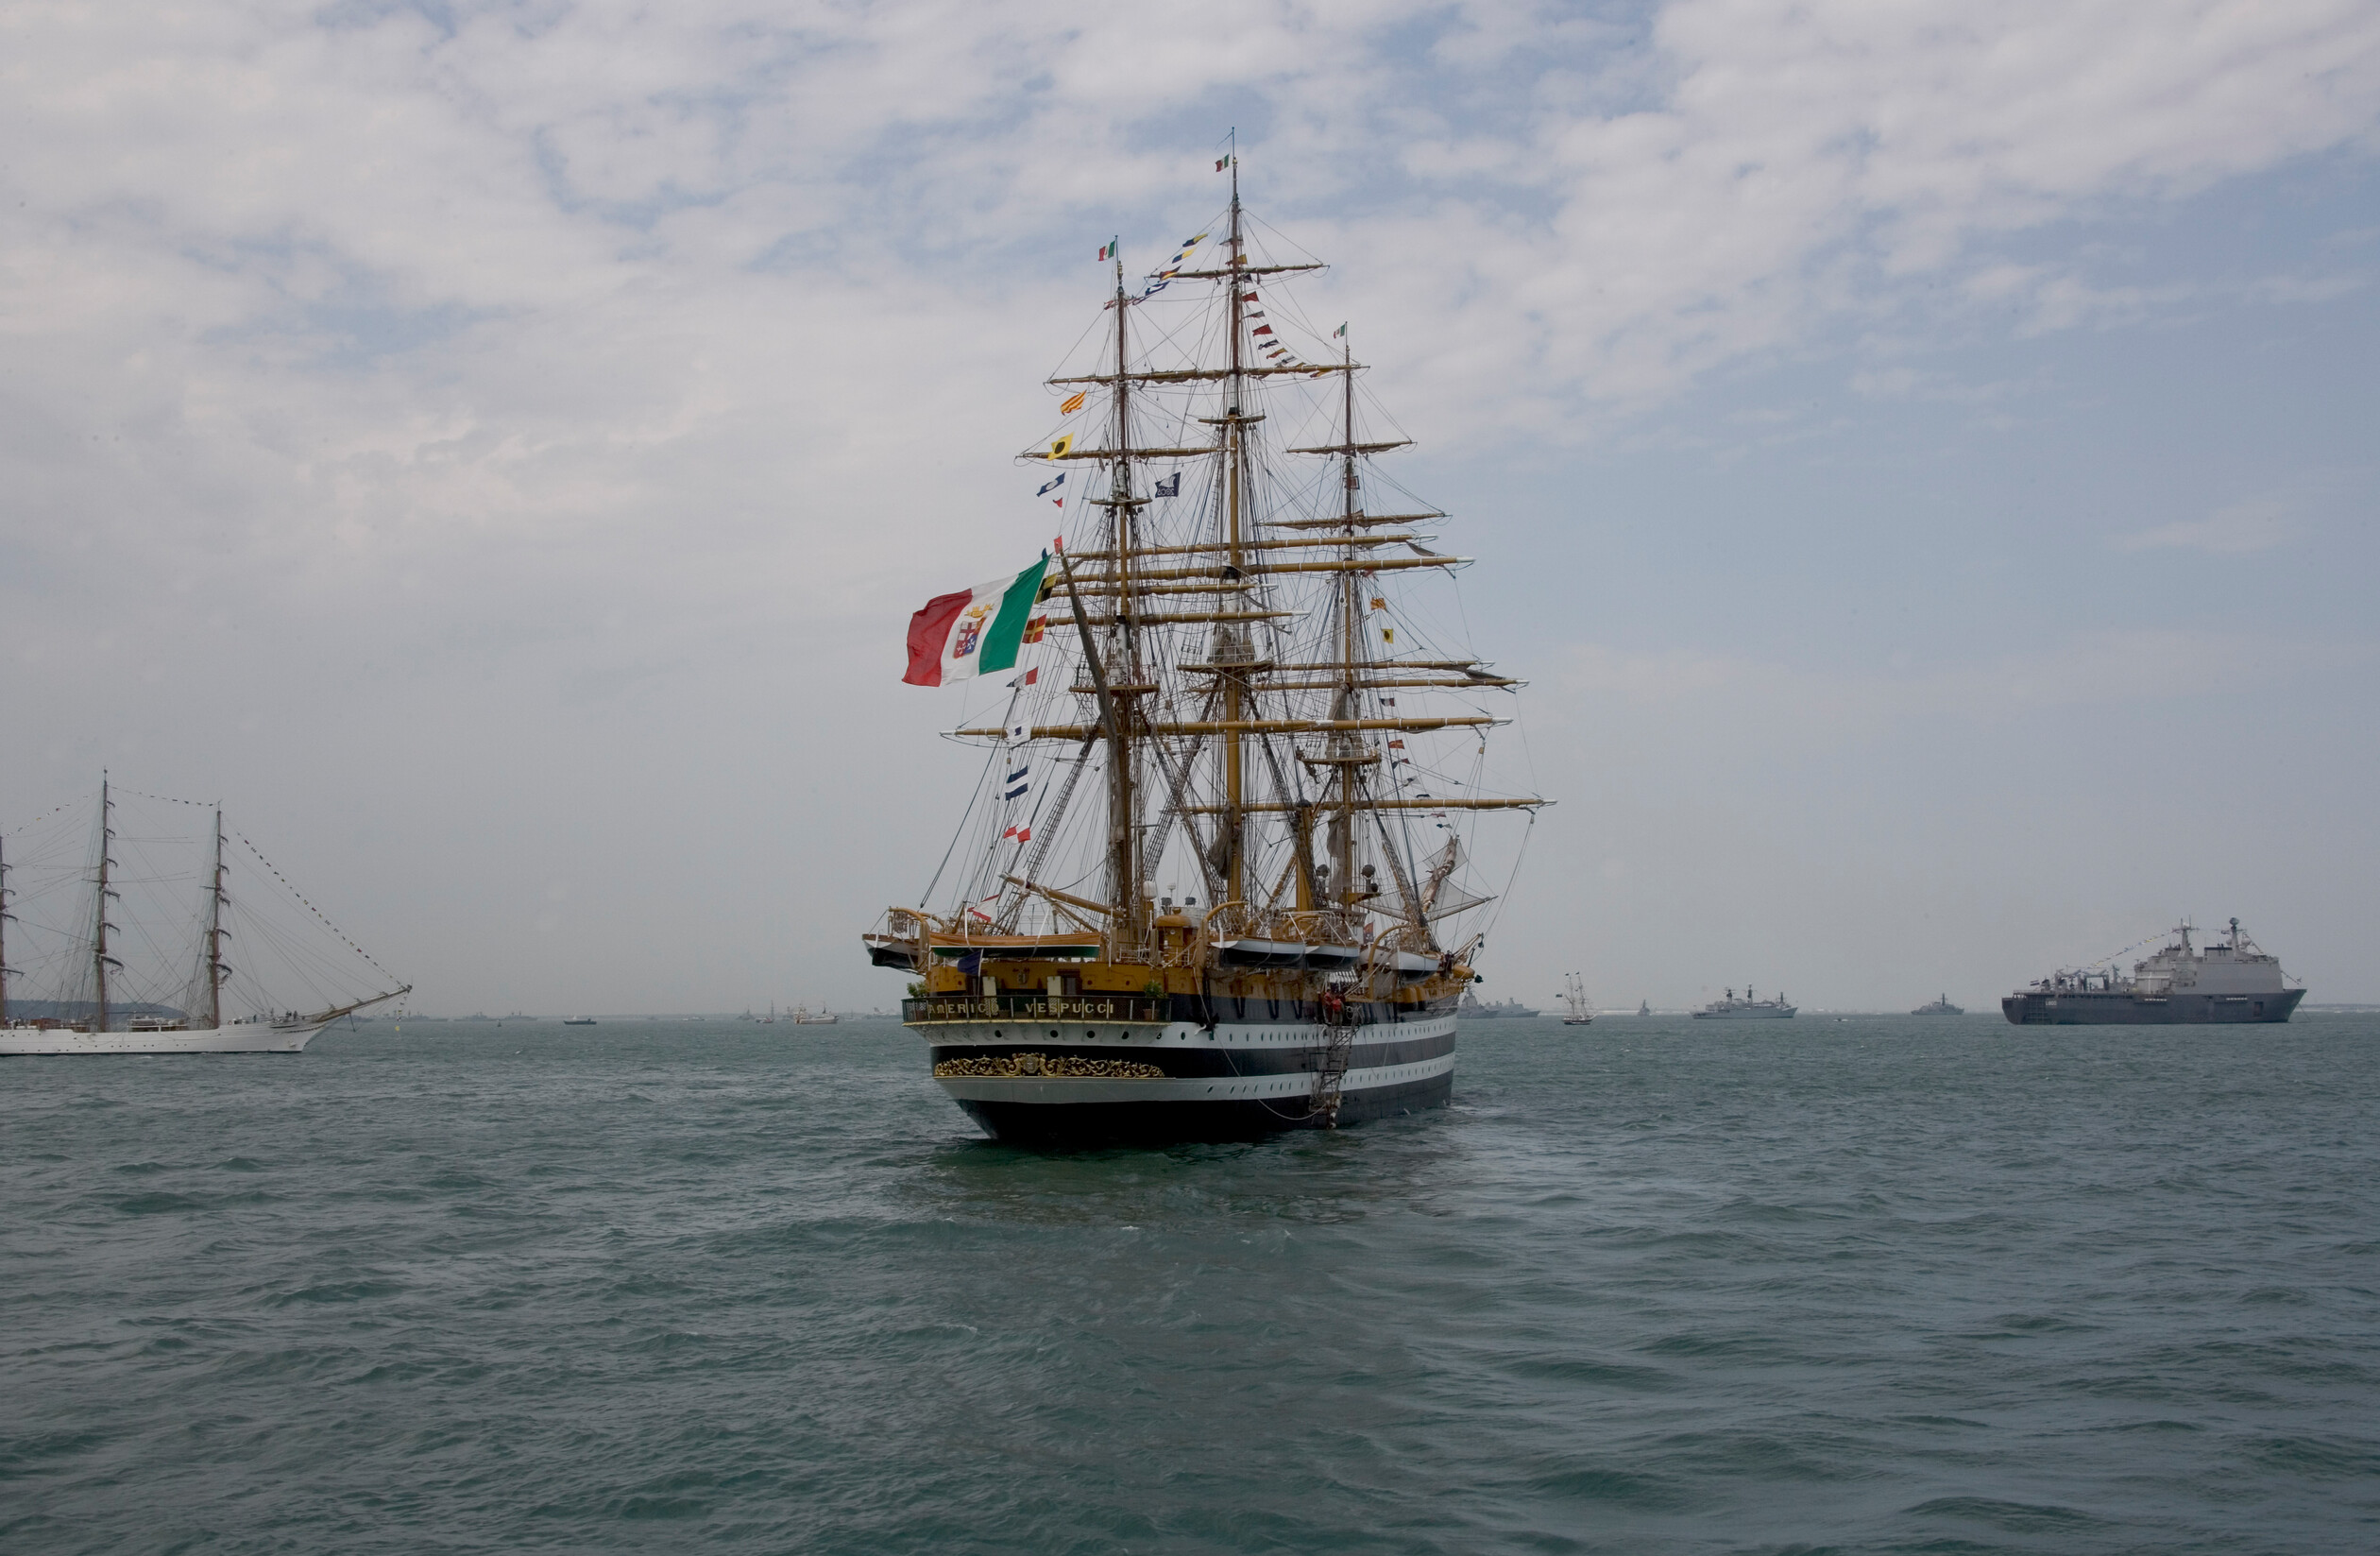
[215,930]
[1229,839]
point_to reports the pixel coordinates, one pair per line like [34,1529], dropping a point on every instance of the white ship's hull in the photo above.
[1234,1080]
[248,1038]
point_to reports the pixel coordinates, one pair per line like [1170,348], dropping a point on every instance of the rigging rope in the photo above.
[316,912]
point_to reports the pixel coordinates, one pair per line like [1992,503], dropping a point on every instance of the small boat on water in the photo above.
[95,930]
[1579,1011]
[578,1020]
[1644,1007]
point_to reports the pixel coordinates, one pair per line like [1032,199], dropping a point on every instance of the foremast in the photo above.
[215,930]
[100,960]
[6,919]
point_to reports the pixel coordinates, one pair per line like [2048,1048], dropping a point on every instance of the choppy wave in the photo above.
[1877,1286]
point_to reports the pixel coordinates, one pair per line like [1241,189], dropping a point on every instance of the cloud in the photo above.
[423,368]
[2233,531]
[2116,669]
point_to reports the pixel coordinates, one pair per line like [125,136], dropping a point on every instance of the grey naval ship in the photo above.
[2233,979]
[1746,1009]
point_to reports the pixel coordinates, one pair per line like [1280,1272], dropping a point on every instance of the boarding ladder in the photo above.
[1340,1017]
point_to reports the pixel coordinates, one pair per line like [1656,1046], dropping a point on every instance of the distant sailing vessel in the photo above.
[1746,1009]
[1579,1011]
[1938,1007]
[2234,980]
[1225,658]
[69,938]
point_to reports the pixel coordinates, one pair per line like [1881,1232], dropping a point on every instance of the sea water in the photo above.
[1864,1285]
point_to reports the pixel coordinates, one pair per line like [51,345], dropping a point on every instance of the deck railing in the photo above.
[1138,1008]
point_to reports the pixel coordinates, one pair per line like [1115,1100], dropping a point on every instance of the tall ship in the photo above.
[130,940]
[1729,1008]
[1217,878]
[1577,1009]
[2233,979]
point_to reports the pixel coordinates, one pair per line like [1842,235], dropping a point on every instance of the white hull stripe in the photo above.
[1191,1089]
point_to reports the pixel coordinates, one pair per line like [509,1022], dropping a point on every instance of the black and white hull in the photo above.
[1093,1082]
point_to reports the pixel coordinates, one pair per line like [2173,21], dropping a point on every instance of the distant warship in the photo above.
[1471,1009]
[1938,1007]
[2234,980]
[1746,1009]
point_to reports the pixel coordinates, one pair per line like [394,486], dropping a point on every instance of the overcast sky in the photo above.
[1923,456]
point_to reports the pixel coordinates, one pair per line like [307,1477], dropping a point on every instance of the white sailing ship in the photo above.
[1577,1009]
[115,983]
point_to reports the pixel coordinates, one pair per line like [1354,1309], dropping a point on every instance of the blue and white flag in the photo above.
[1170,485]
[1051,485]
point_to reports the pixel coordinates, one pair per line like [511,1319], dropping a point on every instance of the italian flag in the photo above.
[973,631]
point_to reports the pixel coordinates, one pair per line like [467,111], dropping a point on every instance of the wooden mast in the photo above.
[1124,922]
[215,930]
[5,916]
[99,929]
[1353,652]
[1228,836]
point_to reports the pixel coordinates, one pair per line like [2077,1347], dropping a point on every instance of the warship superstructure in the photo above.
[2233,979]
[1475,1009]
[1217,878]
[1746,1009]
